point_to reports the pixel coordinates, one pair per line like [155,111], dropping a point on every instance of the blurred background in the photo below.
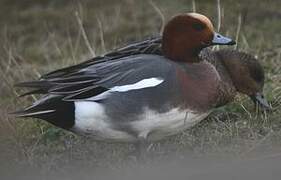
[39,36]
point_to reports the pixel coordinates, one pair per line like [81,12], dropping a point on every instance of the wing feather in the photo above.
[94,76]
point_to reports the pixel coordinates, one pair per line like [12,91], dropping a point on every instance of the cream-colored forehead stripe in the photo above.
[202,18]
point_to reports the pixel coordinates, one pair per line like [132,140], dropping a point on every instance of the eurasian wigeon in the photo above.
[141,92]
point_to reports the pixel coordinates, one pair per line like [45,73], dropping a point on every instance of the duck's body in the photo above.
[152,103]
[137,92]
[145,101]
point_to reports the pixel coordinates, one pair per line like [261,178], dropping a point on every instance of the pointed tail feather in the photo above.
[36,91]
[52,109]
[40,87]
[26,113]
[33,84]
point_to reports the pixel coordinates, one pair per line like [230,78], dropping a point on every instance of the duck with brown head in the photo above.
[185,35]
[139,96]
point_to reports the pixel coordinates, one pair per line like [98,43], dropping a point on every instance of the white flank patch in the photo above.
[155,126]
[145,83]
[90,119]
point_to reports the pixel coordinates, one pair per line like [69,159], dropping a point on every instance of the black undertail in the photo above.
[52,109]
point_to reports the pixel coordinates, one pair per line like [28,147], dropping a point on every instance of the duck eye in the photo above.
[198,26]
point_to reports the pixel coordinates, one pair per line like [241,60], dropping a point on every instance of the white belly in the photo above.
[155,126]
[91,119]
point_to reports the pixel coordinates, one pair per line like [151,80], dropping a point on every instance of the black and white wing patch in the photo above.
[143,84]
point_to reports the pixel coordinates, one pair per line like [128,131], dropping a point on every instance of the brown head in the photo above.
[185,35]
[246,74]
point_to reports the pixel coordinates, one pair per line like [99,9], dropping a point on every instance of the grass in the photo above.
[37,37]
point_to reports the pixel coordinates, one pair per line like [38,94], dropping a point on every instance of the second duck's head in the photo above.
[185,35]
[246,73]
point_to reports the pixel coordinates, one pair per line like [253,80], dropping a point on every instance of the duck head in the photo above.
[185,35]
[246,74]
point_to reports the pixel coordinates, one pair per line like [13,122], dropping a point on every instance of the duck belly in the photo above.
[155,126]
[92,120]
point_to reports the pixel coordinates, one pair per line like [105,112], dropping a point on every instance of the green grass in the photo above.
[37,37]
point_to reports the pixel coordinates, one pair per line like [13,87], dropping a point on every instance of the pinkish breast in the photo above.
[199,85]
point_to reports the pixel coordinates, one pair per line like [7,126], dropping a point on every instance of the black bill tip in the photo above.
[261,101]
[231,43]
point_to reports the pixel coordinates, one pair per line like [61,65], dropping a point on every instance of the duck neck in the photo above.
[227,89]
[183,55]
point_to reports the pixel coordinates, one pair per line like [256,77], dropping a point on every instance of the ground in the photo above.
[37,37]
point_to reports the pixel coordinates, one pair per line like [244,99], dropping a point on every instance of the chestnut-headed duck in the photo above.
[144,92]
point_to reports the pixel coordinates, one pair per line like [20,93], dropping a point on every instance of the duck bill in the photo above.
[219,39]
[261,101]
